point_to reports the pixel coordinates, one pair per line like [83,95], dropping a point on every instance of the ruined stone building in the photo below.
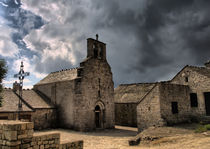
[184,98]
[81,98]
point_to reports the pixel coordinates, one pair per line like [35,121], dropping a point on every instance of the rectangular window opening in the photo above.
[186,79]
[174,107]
[193,100]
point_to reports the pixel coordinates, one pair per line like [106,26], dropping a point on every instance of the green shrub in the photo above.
[207,126]
[202,128]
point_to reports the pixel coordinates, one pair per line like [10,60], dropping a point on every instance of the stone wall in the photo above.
[62,94]
[19,135]
[47,90]
[125,114]
[14,115]
[44,118]
[77,98]
[148,110]
[65,98]
[96,87]
[174,93]
[197,83]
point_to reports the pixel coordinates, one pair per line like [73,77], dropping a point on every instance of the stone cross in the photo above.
[21,75]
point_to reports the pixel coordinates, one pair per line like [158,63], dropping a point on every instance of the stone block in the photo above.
[23,127]
[10,135]
[29,126]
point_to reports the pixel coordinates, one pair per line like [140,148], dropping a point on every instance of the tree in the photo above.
[3,72]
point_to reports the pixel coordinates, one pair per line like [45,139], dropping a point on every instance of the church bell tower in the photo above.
[96,49]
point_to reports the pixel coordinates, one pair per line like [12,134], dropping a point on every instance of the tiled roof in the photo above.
[57,76]
[35,100]
[10,102]
[30,101]
[131,93]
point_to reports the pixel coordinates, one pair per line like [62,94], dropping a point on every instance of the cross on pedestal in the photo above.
[21,75]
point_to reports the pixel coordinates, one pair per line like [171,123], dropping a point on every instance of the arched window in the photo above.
[95,50]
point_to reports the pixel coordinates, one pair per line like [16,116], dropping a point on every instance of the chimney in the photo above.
[207,64]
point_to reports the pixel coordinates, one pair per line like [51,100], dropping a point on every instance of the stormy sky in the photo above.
[147,40]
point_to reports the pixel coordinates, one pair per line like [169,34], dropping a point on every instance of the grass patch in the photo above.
[202,128]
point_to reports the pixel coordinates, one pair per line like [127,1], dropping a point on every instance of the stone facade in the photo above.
[172,102]
[185,98]
[84,97]
[19,135]
[198,80]
[148,110]
[179,94]
[126,98]
[44,118]
[125,114]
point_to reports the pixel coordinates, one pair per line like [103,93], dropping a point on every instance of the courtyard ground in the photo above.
[154,138]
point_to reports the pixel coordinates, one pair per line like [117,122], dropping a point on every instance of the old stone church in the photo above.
[80,98]
[84,98]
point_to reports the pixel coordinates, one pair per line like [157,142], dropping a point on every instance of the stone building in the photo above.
[126,98]
[84,96]
[80,98]
[184,98]
[35,107]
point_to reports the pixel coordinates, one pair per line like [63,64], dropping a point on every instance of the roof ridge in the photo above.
[152,83]
[147,94]
[137,83]
[65,70]
[201,67]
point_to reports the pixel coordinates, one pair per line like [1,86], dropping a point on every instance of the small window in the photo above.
[46,116]
[193,100]
[174,107]
[95,53]
[186,79]
[99,93]
[100,52]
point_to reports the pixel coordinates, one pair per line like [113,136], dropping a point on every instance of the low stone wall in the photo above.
[19,135]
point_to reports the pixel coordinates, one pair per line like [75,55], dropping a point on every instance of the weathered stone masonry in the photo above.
[19,135]
[84,96]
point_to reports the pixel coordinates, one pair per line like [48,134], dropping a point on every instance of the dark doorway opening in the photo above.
[98,116]
[174,107]
[207,102]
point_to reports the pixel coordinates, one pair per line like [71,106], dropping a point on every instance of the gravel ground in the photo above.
[118,139]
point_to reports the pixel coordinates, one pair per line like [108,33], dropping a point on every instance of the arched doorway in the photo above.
[99,115]
[98,118]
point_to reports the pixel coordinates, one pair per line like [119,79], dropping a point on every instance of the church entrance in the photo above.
[98,119]
[99,114]
[207,103]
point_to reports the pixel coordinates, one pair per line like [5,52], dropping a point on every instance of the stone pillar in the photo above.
[15,134]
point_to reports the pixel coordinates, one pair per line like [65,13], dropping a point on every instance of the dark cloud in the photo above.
[147,40]
[168,34]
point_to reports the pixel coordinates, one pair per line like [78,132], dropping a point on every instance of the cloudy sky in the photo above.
[147,40]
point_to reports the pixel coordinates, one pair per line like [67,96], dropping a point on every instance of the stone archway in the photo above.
[99,114]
